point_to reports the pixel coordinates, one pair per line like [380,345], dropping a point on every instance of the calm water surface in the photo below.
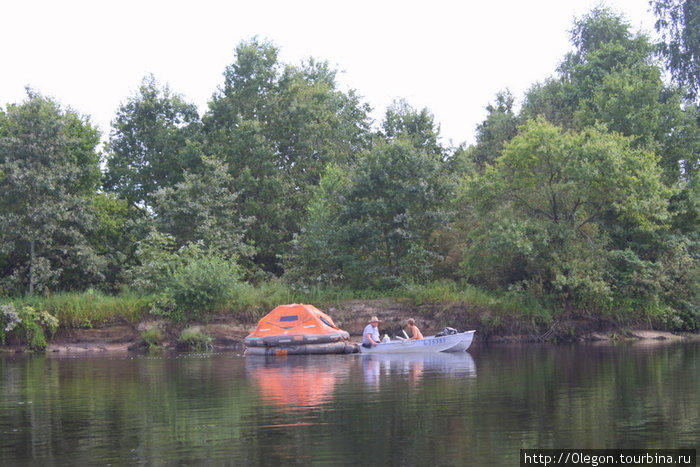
[476,408]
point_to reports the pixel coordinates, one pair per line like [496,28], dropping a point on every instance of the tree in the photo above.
[610,82]
[319,254]
[603,46]
[114,237]
[395,202]
[403,121]
[48,173]
[599,27]
[546,207]
[204,208]
[679,23]
[153,142]
[499,127]
[612,78]
[277,126]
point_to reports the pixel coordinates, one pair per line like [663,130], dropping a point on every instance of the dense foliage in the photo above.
[586,196]
[48,174]
[679,22]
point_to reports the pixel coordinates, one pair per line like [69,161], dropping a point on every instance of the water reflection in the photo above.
[414,366]
[296,382]
[224,409]
[302,382]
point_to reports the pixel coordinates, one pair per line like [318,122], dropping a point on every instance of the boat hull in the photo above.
[463,344]
[451,343]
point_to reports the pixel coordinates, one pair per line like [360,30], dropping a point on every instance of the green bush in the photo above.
[27,323]
[153,337]
[188,281]
[195,339]
[202,285]
[158,258]
[9,320]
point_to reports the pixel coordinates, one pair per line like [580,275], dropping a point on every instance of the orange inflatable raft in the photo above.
[298,330]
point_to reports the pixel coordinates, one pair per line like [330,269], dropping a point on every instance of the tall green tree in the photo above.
[401,120]
[612,77]
[319,253]
[49,171]
[500,126]
[153,141]
[612,81]
[603,42]
[604,45]
[396,201]
[679,23]
[119,226]
[375,222]
[277,126]
[545,209]
[204,208]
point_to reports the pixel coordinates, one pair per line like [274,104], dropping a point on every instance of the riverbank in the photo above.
[229,336]
[228,332]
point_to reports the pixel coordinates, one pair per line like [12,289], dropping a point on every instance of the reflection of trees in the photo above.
[592,396]
[96,410]
[213,408]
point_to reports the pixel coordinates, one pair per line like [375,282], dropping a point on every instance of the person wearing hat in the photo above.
[370,336]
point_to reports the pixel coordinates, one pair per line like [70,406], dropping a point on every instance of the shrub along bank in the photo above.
[32,322]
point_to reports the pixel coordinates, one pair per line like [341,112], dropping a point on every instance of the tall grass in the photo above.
[512,304]
[493,312]
[264,297]
[91,308]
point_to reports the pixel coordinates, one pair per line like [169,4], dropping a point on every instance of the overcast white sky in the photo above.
[449,56]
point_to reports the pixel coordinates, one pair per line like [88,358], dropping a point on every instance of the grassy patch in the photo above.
[91,308]
[500,304]
[195,339]
[154,338]
[264,297]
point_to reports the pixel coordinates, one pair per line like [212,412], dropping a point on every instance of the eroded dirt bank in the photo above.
[228,332]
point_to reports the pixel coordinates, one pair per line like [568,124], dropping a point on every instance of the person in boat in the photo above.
[415,332]
[370,336]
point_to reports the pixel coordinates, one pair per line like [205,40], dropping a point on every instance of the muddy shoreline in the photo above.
[228,332]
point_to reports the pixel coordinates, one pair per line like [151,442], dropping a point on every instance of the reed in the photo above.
[91,308]
[194,339]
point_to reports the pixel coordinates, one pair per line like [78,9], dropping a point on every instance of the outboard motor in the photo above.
[447,332]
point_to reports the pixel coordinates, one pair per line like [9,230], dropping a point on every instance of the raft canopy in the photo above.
[295,324]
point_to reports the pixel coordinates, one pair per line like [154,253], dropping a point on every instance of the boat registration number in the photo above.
[434,340]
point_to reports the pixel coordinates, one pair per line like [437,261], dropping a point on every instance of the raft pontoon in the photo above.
[298,330]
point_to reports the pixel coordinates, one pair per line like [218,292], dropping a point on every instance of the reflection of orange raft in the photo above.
[295,388]
[298,330]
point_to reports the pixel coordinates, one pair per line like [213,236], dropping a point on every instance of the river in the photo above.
[475,408]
